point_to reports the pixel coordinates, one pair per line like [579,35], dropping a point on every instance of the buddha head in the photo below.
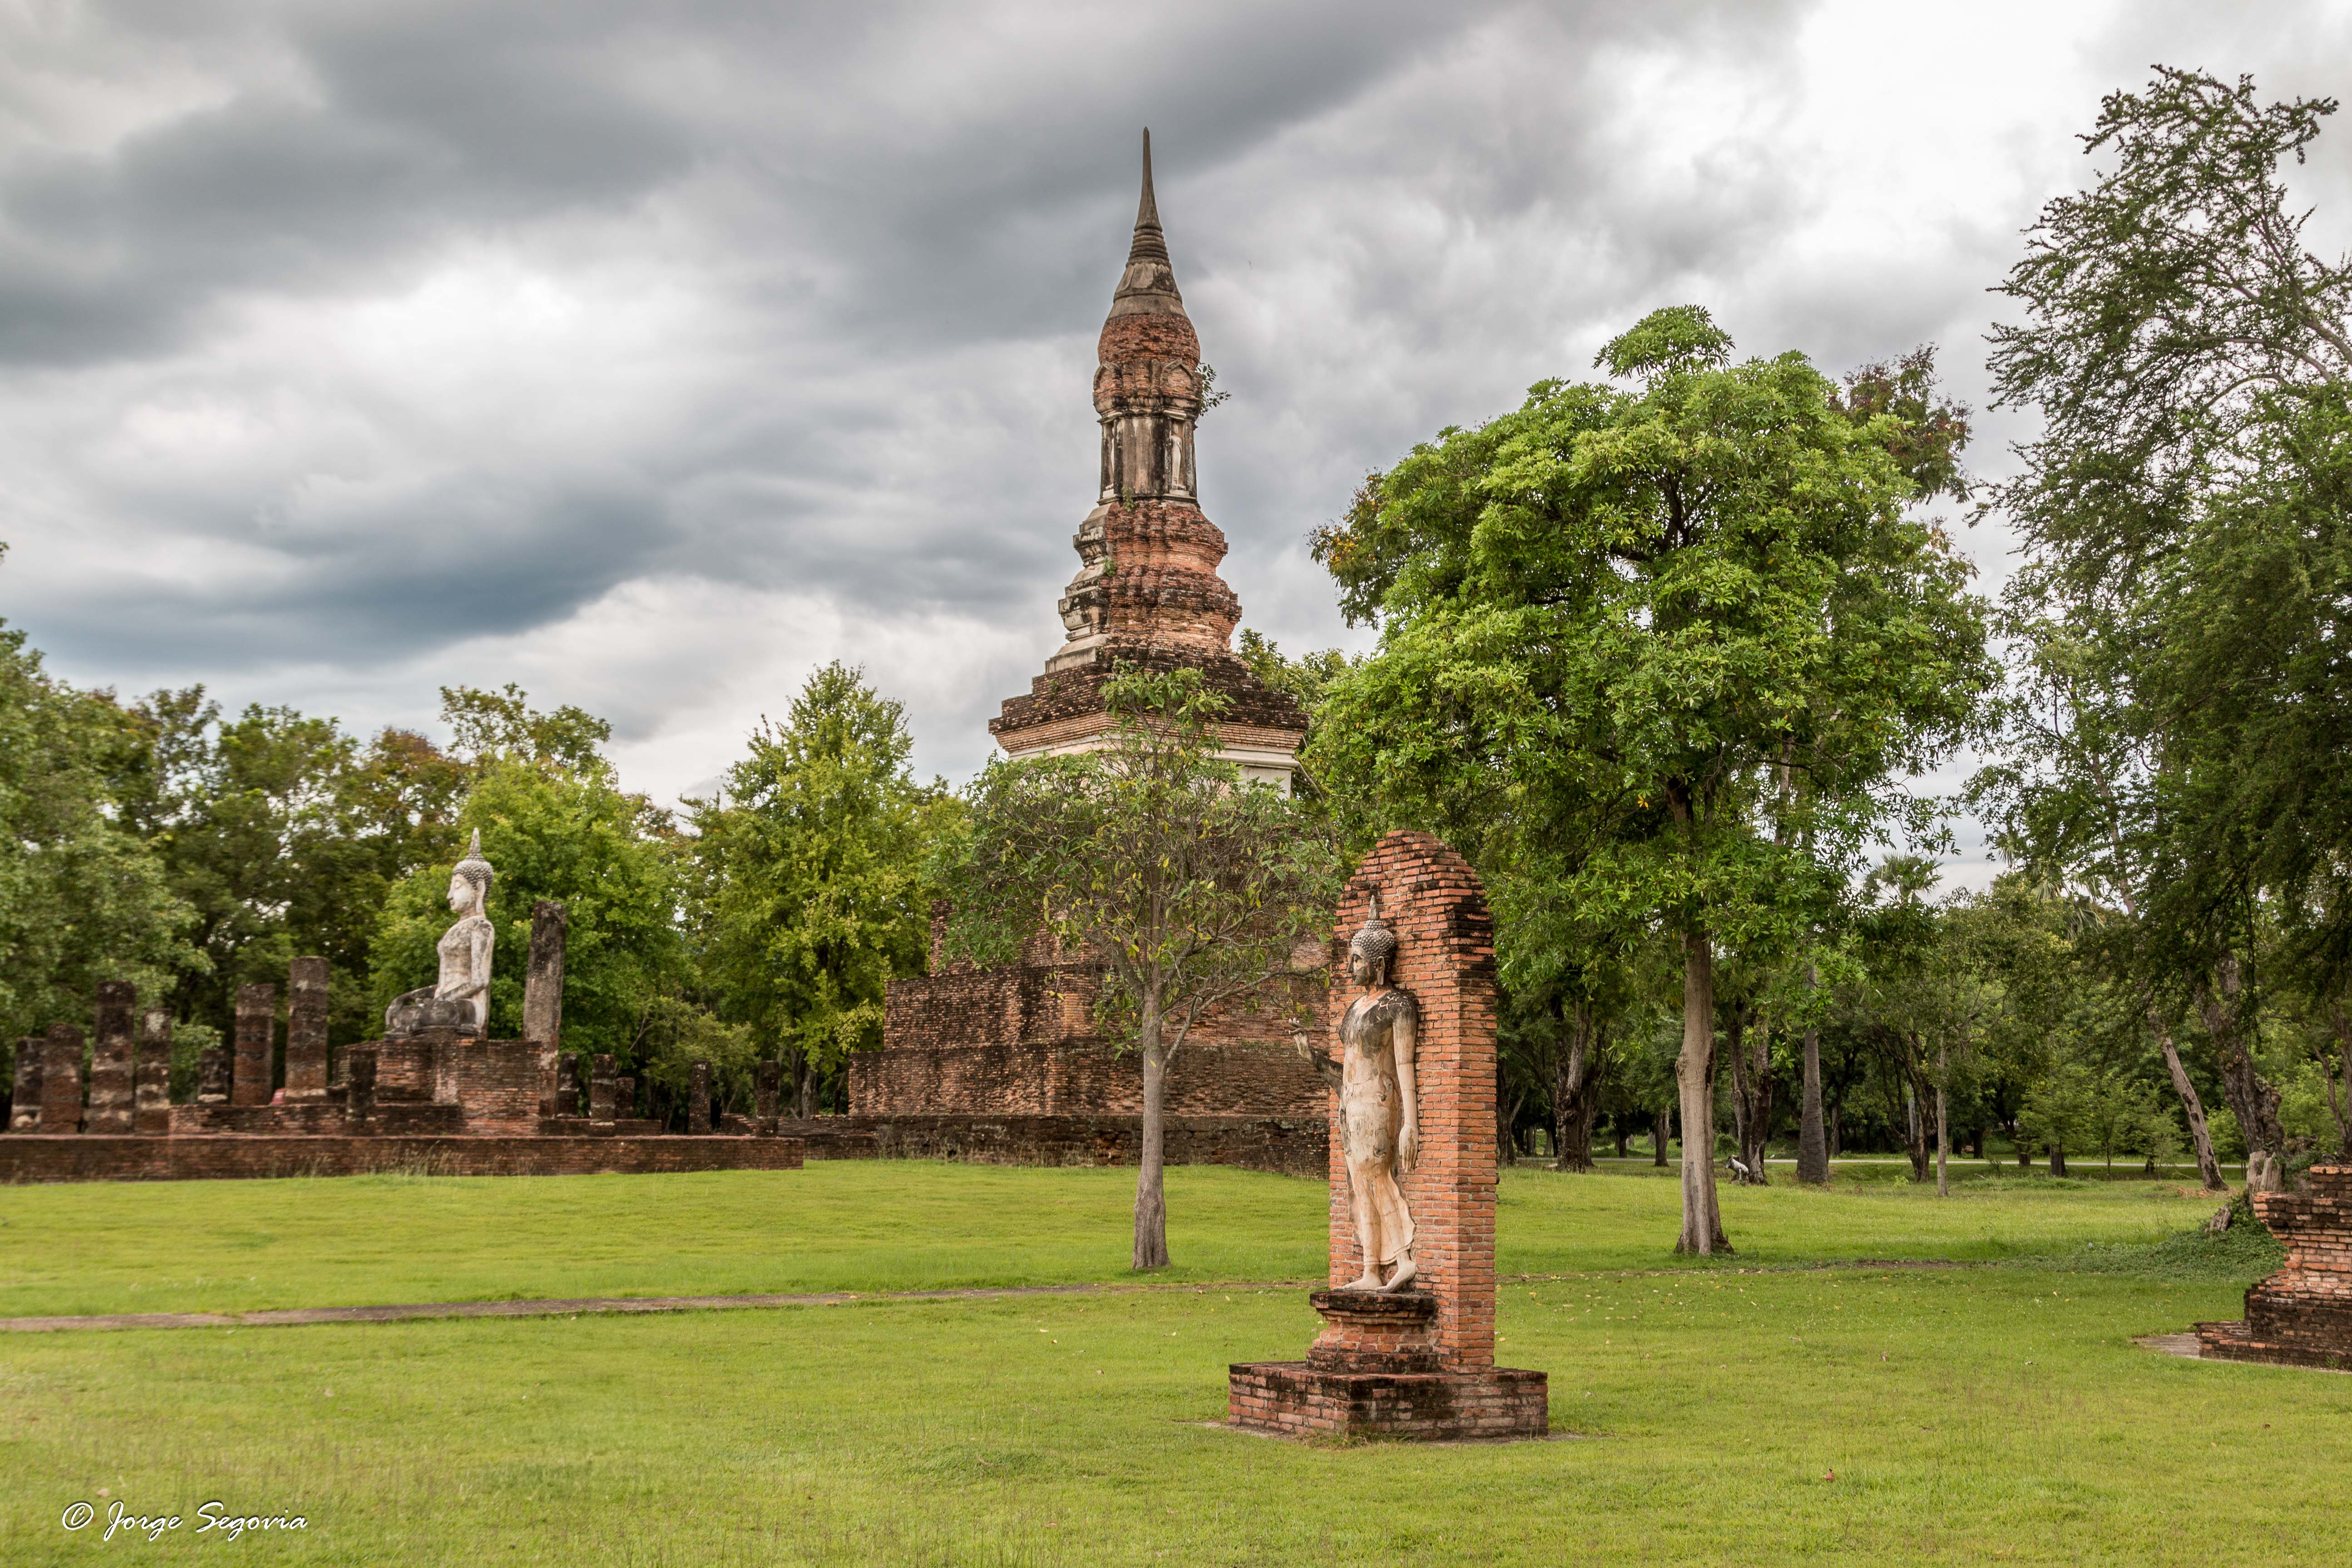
[1371,950]
[469,881]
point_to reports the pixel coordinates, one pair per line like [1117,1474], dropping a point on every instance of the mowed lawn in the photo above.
[910,1226]
[1967,1414]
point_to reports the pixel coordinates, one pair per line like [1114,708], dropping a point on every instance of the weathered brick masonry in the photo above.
[110,1105]
[2302,1315]
[1418,1363]
[1282,1145]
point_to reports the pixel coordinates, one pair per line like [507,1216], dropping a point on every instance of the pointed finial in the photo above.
[1147,211]
[474,850]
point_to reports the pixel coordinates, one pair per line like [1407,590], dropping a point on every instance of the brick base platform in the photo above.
[1374,1372]
[87,1157]
[1298,1399]
[2235,1341]
[2302,1315]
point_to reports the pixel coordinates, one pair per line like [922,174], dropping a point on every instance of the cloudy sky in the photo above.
[649,355]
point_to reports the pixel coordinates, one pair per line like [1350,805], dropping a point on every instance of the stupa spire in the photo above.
[1148,592]
[1148,286]
[1147,211]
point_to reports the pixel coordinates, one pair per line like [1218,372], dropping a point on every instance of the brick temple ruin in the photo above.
[2302,1315]
[440,1098]
[1413,1357]
[1005,1063]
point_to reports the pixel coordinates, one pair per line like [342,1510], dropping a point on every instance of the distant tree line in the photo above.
[162,841]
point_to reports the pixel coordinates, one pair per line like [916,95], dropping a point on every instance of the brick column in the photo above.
[1445,956]
[763,1098]
[25,1096]
[61,1079]
[567,1085]
[359,1087]
[212,1073]
[542,998]
[306,1030]
[698,1099]
[150,1074]
[257,1029]
[624,1098]
[109,1060]
[600,1088]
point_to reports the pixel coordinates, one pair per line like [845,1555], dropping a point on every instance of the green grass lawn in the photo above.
[1970,1414]
[904,1226]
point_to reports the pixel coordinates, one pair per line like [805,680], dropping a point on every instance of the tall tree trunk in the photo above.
[1662,1133]
[2340,1104]
[1702,1232]
[1576,1092]
[1507,1116]
[1813,1137]
[1151,1176]
[1753,1087]
[2209,1168]
[1617,1126]
[2252,1098]
[1943,1125]
[2058,1159]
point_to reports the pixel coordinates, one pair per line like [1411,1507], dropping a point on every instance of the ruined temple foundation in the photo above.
[2302,1315]
[1419,1362]
[438,1100]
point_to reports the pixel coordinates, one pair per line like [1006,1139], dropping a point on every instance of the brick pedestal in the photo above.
[1419,1363]
[2302,1315]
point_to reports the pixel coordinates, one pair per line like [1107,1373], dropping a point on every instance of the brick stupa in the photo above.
[1007,1063]
[1148,593]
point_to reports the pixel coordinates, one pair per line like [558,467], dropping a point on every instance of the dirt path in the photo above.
[289,1317]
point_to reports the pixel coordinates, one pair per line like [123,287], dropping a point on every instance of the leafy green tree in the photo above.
[556,826]
[81,898]
[1195,889]
[814,874]
[2188,543]
[281,835]
[1661,657]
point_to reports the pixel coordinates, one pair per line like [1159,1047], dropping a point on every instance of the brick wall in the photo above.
[319,1119]
[1019,1040]
[38,1157]
[498,1082]
[1286,1146]
[1258,1080]
[1445,956]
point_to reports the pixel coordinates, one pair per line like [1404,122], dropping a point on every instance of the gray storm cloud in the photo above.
[650,356]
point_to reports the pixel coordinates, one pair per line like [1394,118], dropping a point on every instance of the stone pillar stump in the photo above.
[24,1093]
[306,1030]
[61,1079]
[110,1060]
[151,1075]
[257,1030]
